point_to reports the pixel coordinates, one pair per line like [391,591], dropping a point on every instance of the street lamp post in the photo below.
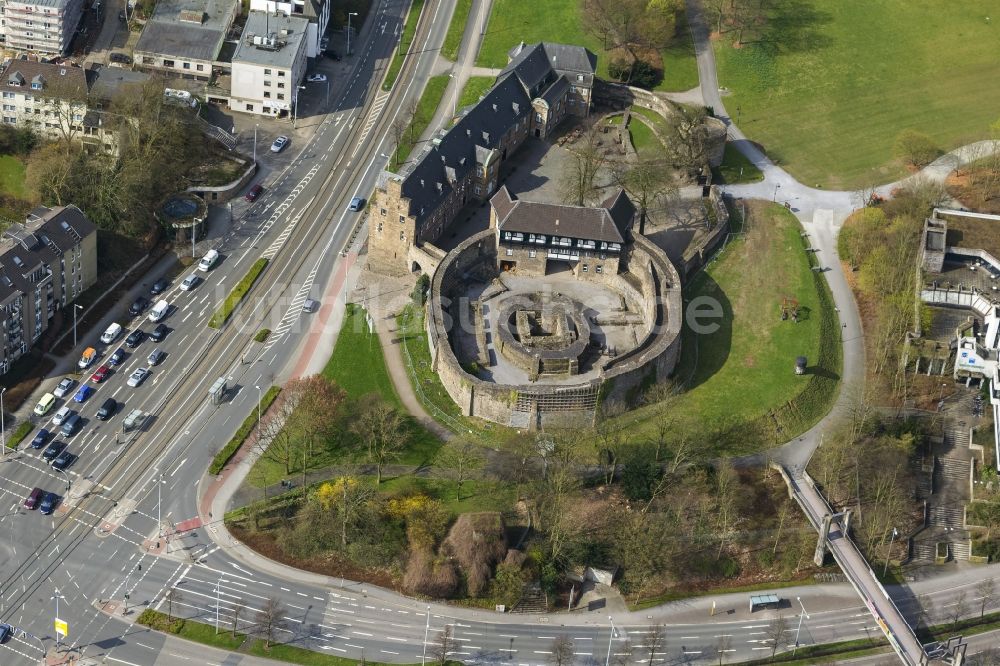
[255,142]
[57,597]
[3,434]
[217,586]
[295,105]
[258,410]
[128,575]
[799,628]
[611,637]
[427,628]
[75,308]
[349,15]
[774,197]
[885,569]
[159,496]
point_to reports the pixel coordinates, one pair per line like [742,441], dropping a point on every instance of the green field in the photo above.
[357,364]
[428,104]
[740,392]
[12,177]
[405,42]
[829,85]
[513,21]
[474,88]
[736,168]
[456,29]
[643,140]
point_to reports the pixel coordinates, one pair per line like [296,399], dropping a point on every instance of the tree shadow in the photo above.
[709,348]
[793,27]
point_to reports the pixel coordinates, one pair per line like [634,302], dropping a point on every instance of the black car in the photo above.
[107,410]
[159,333]
[64,460]
[121,58]
[49,503]
[139,306]
[40,439]
[159,286]
[6,631]
[333,54]
[122,17]
[156,357]
[135,338]
[55,448]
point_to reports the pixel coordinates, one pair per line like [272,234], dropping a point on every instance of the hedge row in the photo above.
[229,450]
[237,295]
[19,434]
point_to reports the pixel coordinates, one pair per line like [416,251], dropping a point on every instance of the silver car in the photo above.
[138,377]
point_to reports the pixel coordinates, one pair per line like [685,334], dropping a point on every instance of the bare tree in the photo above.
[579,179]
[925,609]
[986,593]
[458,459]
[776,634]
[383,430]
[443,645]
[688,140]
[958,609]
[270,618]
[562,651]
[610,437]
[656,641]
[398,130]
[238,607]
[347,496]
[723,645]
[648,183]
[172,596]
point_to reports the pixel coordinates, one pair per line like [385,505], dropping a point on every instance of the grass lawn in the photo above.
[736,168]
[12,177]
[474,88]
[740,393]
[477,495]
[357,364]
[680,68]
[456,29]
[643,140]
[428,104]
[405,42]
[831,84]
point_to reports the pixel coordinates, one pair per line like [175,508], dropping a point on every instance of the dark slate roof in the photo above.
[45,235]
[621,209]
[502,202]
[534,63]
[599,224]
[482,127]
[106,83]
[57,80]
[556,90]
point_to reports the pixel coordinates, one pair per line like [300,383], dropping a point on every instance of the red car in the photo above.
[254,193]
[101,374]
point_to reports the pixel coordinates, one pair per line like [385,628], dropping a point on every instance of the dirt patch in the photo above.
[977,186]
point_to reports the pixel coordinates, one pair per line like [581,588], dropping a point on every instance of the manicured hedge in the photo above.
[19,434]
[234,444]
[238,293]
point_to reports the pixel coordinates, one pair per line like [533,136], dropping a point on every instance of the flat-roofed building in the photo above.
[269,64]
[185,37]
[40,26]
[317,12]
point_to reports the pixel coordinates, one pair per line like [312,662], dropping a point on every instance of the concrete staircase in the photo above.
[532,600]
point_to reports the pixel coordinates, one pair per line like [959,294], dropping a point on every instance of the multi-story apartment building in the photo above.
[45,264]
[269,64]
[185,37]
[317,12]
[40,26]
[52,101]
[541,84]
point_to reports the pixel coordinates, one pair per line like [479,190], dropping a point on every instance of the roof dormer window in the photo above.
[15,80]
[37,82]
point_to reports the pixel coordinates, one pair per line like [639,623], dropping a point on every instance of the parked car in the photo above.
[159,286]
[49,503]
[135,338]
[324,42]
[64,460]
[210,259]
[254,193]
[190,282]
[332,55]
[138,306]
[63,414]
[310,305]
[110,335]
[279,144]
[117,357]
[89,356]
[120,58]
[72,424]
[159,333]
[100,374]
[33,498]
[53,450]
[122,16]
[65,385]
[41,437]
[45,404]
[357,203]
[138,377]
[83,393]
[316,78]
[107,410]
[156,357]
[6,631]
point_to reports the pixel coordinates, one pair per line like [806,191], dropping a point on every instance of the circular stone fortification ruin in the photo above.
[551,312]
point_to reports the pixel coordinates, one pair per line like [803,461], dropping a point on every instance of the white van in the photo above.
[208,261]
[112,333]
[159,311]
[45,404]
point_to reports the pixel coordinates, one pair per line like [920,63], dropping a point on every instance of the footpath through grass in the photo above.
[428,104]
[405,43]
[741,394]
[829,85]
